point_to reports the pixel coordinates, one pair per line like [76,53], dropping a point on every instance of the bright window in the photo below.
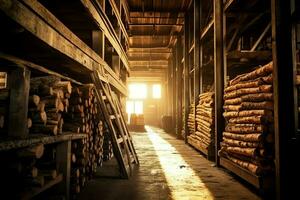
[137,91]
[138,107]
[135,107]
[156,91]
[129,107]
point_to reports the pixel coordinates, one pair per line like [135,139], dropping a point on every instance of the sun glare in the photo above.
[177,176]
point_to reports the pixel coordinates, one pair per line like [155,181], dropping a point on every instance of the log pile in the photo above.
[191,119]
[48,100]
[203,137]
[4,103]
[248,110]
[84,117]
[107,145]
[27,168]
[4,96]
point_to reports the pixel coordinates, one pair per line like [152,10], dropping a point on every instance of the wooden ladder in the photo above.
[121,139]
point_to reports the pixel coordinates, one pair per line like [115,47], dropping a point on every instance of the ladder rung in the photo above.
[114,116]
[120,140]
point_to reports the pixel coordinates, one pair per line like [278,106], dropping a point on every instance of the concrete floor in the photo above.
[168,169]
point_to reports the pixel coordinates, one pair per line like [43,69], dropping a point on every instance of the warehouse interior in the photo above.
[149,99]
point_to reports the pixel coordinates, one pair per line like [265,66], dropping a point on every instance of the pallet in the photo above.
[259,182]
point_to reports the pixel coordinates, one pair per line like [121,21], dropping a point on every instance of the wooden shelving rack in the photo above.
[53,43]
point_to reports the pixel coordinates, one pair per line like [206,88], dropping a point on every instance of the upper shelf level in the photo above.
[31,32]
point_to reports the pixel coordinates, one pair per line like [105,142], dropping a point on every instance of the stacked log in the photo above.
[191,119]
[4,96]
[4,103]
[49,99]
[203,137]
[26,169]
[248,110]
[298,92]
[183,124]
[107,145]
[83,116]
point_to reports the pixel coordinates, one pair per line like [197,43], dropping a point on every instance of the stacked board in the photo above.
[191,119]
[203,138]
[248,139]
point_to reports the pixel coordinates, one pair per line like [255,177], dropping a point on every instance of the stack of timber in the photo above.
[48,100]
[248,139]
[203,138]
[4,104]
[28,169]
[191,119]
[107,144]
[3,80]
[183,124]
[298,92]
[84,117]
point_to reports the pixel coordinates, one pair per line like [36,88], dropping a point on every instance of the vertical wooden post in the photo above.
[175,94]
[284,115]
[18,106]
[197,71]
[179,87]
[186,75]
[97,41]
[63,160]
[219,73]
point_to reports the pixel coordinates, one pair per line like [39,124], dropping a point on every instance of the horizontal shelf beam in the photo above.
[33,139]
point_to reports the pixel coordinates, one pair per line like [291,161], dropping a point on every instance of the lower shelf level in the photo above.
[32,192]
[260,182]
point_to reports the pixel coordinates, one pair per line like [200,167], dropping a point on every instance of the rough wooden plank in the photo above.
[186,75]
[18,106]
[219,73]
[241,172]
[8,144]
[63,159]
[21,62]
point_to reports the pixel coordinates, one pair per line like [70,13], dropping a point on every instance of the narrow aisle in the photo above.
[169,169]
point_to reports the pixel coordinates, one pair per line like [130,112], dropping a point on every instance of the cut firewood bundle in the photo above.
[248,139]
[203,137]
[49,99]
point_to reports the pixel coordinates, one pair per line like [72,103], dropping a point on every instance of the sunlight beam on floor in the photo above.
[182,180]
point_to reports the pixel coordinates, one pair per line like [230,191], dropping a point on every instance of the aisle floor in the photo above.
[168,169]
